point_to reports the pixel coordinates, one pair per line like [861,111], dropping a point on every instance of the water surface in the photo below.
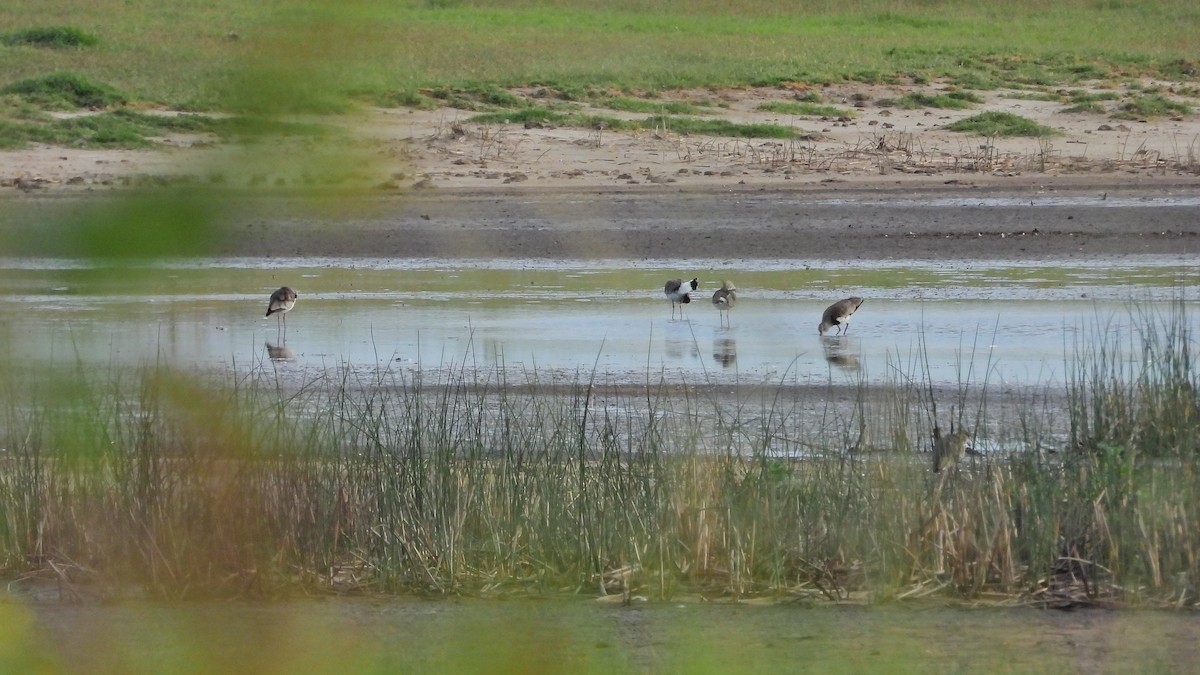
[960,320]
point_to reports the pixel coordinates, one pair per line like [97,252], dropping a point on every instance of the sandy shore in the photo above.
[883,183]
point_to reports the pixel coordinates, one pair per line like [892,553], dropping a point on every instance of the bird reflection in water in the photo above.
[280,353]
[841,351]
[725,351]
[679,342]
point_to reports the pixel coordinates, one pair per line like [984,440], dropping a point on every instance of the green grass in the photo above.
[805,109]
[476,97]
[117,129]
[65,91]
[125,128]
[641,105]
[53,37]
[916,100]
[22,120]
[213,56]
[1149,107]
[309,56]
[705,127]
[1001,124]
[669,123]
[520,116]
[1086,101]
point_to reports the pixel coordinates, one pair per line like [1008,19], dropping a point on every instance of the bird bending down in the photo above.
[282,301]
[948,450]
[677,291]
[725,298]
[838,314]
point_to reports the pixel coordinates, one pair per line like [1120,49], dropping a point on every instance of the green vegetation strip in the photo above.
[65,91]
[237,56]
[1001,124]
[638,105]
[805,109]
[54,37]
[666,123]
[1148,107]
[916,100]
[241,58]
[120,129]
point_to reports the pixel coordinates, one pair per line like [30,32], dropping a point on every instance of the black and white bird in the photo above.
[678,291]
[838,314]
[282,301]
[724,299]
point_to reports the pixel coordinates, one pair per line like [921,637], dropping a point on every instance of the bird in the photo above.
[725,298]
[947,450]
[838,314]
[677,291]
[282,301]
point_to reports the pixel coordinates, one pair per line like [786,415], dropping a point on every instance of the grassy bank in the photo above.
[465,485]
[293,56]
[223,53]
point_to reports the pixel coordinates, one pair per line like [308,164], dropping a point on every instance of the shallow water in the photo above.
[1003,323]
[576,635]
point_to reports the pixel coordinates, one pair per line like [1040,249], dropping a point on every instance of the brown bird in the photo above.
[838,314]
[678,291]
[724,299]
[948,450]
[282,301]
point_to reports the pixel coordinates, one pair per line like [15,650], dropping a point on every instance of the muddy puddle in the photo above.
[959,321]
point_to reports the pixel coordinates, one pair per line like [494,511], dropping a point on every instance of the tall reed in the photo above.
[459,481]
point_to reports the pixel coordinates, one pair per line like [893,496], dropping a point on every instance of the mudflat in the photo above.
[882,183]
[854,222]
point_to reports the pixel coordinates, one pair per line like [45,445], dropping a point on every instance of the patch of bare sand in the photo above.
[876,145]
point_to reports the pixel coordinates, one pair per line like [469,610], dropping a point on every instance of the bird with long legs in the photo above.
[282,301]
[949,449]
[838,314]
[679,291]
[724,300]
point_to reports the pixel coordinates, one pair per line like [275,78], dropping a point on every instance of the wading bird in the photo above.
[677,291]
[282,301]
[838,314]
[724,299]
[947,450]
